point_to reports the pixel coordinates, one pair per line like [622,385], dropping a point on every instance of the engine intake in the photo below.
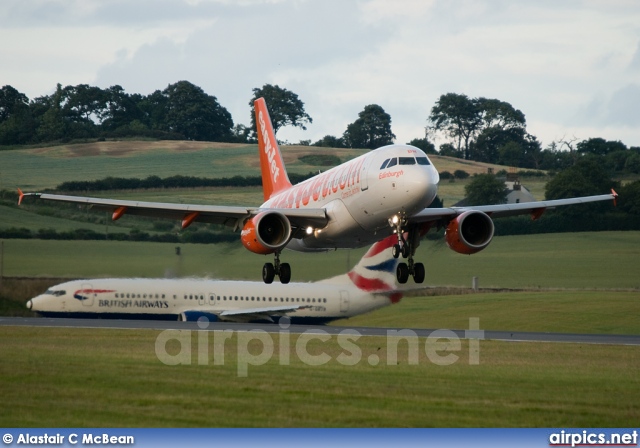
[266,233]
[470,232]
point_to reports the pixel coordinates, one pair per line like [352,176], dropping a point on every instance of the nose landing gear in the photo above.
[407,248]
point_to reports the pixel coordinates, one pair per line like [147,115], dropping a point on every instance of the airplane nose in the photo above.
[29,304]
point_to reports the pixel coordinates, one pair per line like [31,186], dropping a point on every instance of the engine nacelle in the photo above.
[266,233]
[470,232]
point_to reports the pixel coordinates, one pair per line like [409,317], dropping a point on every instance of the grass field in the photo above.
[604,260]
[35,169]
[113,378]
[584,312]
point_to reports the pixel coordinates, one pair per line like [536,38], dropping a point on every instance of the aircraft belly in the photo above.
[342,232]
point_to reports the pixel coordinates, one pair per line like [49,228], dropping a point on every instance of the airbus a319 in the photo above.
[383,192]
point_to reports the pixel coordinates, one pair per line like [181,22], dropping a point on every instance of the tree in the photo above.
[196,115]
[16,122]
[599,146]
[330,141]
[500,114]
[459,116]
[51,124]
[463,119]
[485,189]
[285,108]
[371,130]
[586,177]
[123,110]
[11,101]
[424,144]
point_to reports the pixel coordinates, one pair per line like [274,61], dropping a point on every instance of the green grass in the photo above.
[39,168]
[112,378]
[604,260]
[587,312]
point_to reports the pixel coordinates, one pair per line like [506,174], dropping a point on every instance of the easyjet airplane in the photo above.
[386,191]
[371,284]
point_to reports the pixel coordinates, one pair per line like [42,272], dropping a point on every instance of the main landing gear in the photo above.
[407,248]
[282,270]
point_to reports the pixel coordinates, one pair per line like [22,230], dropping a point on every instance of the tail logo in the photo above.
[376,271]
[268,148]
[83,294]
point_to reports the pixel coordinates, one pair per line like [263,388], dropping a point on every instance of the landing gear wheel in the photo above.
[402,273]
[395,251]
[269,273]
[285,273]
[405,251]
[418,273]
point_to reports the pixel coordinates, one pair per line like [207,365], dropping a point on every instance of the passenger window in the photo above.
[407,161]
[422,161]
[384,164]
[392,162]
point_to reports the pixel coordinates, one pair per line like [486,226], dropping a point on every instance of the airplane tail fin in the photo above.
[376,270]
[274,174]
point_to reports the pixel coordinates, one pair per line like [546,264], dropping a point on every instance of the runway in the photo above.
[513,336]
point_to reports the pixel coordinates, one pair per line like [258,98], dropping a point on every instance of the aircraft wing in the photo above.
[535,209]
[232,216]
[251,314]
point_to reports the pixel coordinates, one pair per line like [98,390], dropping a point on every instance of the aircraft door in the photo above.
[344,301]
[364,172]
[212,299]
[201,299]
[86,294]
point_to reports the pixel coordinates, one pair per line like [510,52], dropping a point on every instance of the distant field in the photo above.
[48,167]
[113,378]
[34,169]
[604,260]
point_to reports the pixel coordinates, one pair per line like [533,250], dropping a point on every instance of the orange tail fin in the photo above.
[274,174]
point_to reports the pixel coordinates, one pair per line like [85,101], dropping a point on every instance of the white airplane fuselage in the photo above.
[360,196]
[187,299]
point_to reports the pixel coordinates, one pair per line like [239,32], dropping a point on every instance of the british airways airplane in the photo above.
[371,284]
[381,193]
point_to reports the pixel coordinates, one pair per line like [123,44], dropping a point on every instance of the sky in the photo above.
[572,66]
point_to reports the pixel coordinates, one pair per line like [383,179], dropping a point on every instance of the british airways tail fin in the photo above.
[376,270]
[274,174]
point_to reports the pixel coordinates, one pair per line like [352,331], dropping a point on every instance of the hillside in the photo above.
[47,167]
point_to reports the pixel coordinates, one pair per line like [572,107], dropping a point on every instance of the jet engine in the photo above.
[266,233]
[470,232]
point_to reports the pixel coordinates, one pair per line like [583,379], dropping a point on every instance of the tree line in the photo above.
[178,181]
[479,129]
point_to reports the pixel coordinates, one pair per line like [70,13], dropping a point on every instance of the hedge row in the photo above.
[156,182]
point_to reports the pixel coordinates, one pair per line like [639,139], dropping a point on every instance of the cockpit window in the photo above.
[384,164]
[407,161]
[392,162]
[56,293]
[422,161]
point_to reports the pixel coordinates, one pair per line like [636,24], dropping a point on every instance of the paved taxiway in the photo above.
[520,336]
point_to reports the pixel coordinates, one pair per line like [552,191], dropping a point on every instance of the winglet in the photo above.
[20,196]
[615,197]
[274,174]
